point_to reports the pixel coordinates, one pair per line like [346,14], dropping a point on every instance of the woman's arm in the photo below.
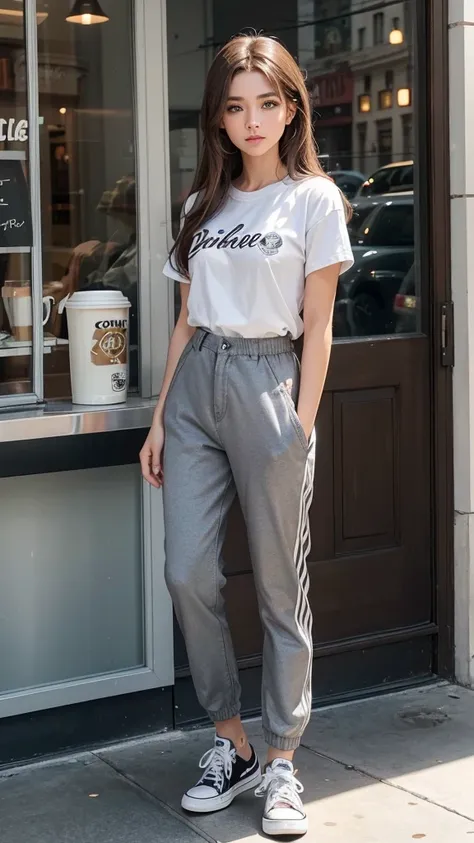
[320,293]
[151,453]
[179,339]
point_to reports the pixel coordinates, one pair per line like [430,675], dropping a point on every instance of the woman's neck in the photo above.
[259,172]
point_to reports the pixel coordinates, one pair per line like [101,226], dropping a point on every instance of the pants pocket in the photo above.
[294,415]
[184,355]
[285,368]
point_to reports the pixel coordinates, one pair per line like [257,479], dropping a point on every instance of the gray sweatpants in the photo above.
[231,426]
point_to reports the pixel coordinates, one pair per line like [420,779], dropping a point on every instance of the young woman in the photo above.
[263,238]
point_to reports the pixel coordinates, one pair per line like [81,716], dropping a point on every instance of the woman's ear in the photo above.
[290,112]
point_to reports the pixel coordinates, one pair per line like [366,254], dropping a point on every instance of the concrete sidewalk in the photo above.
[386,770]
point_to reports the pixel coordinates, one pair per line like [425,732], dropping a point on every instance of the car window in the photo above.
[402,177]
[379,182]
[392,226]
[407,178]
[345,178]
[348,184]
[359,215]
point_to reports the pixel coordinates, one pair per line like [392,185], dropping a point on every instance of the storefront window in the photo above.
[86,159]
[87,151]
[361,76]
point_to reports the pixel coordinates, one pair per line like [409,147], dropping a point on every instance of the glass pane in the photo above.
[87,151]
[15,212]
[359,62]
[72,604]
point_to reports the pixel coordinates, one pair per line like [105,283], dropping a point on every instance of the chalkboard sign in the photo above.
[15,214]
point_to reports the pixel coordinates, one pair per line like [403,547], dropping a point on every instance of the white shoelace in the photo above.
[281,786]
[218,763]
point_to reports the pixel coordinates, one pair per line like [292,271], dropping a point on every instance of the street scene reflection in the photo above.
[361,80]
[357,57]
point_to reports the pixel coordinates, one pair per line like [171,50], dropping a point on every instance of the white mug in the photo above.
[48,302]
[17,303]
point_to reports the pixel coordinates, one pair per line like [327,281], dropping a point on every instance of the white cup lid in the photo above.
[97,298]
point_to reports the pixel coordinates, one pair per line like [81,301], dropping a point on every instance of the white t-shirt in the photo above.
[249,263]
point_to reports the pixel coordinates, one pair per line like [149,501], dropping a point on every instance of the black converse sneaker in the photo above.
[284,812]
[225,775]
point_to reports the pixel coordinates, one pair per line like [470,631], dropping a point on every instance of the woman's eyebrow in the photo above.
[260,96]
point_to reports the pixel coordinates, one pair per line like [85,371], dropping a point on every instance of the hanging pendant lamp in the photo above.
[87,12]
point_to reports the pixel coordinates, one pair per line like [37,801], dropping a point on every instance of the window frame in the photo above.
[36,395]
[378,22]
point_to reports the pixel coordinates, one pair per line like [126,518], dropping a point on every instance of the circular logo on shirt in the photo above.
[270,243]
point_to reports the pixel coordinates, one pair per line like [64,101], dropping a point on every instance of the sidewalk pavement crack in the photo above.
[169,810]
[389,783]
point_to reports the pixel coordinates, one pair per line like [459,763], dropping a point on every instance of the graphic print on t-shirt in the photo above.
[248,262]
[268,243]
[271,243]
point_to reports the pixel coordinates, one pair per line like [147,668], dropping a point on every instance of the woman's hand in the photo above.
[151,455]
[307,431]
[319,296]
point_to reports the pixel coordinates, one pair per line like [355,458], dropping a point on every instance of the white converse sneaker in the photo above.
[225,775]
[284,812]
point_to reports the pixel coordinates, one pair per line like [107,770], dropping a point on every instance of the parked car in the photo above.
[361,208]
[406,305]
[394,177]
[382,237]
[349,181]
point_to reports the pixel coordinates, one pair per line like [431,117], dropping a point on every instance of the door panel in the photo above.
[365,428]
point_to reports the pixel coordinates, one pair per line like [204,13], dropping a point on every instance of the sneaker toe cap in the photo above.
[285,814]
[201,791]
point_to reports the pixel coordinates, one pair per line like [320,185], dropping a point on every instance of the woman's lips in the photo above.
[254,139]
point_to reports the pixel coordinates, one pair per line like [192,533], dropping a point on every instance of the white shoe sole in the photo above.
[278,828]
[217,803]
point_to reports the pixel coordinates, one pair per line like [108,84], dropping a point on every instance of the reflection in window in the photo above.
[87,164]
[385,99]
[87,150]
[407,131]
[361,145]
[404,97]
[345,51]
[389,224]
[384,141]
[378,28]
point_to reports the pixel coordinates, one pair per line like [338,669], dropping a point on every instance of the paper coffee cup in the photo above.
[98,346]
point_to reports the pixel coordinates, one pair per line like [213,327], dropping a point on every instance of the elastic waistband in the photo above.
[241,345]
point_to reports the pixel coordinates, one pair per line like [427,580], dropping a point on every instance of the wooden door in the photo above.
[381,557]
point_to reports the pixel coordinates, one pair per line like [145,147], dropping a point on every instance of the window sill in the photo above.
[62,418]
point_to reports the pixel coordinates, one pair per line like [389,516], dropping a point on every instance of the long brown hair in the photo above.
[221,161]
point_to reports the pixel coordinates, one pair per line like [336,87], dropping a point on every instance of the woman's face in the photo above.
[255,116]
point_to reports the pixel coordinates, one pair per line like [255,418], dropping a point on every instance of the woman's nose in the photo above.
[253,123]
